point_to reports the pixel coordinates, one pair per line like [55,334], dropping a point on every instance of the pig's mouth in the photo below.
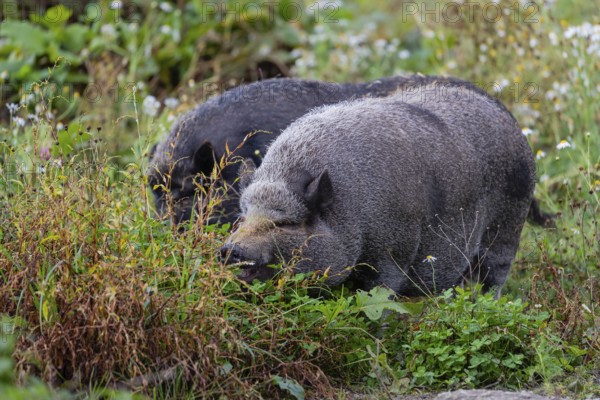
[251,270]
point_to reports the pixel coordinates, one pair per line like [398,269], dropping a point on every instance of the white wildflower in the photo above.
[429,259]
[151,106]
[527,131]
[4,75]
[12,108]
[109,31]
[533,42]
[166,7]
[26,99]
[171,102]
[264,50]
[563,145]
[165,29]
[20,121]
[380,44]
[403,54]
[429,34]
[540,154]
[115,5]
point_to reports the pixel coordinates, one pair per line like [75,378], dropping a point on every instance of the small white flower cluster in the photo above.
[171,103]
[558,94]
[354,52]
[109,31]
[20,122]
[585,48]
[166,7]
[12,108]
[167,30]
[584,31]
[527,115]
[150,106]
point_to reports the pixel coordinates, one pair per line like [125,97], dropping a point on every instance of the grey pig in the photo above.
[198,140]
[418,192]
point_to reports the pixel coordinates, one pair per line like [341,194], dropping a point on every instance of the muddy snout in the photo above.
[251,262]
[231,253]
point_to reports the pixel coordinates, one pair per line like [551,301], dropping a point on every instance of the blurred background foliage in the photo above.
[102,56]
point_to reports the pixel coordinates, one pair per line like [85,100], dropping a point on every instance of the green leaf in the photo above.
[75,37]
[54,18]
[68,140]
[31,39]
[373,303]
[226,368]
[290,386]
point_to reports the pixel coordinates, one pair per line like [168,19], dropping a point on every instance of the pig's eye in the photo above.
[285,224]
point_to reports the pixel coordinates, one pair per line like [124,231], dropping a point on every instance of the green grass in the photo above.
[102,299]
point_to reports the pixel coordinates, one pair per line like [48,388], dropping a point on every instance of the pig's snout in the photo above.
[231,253]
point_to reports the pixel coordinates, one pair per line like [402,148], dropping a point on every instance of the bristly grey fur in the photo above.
[425,191]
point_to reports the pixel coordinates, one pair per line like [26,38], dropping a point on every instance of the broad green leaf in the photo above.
[75,37]
[373,303]
[290,386]
[31,39]
[54,18]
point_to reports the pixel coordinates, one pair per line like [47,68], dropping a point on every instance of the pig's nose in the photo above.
[231,253]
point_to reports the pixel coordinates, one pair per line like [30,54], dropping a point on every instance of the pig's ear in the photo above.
[319,193]
[246,172]
[204,159]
